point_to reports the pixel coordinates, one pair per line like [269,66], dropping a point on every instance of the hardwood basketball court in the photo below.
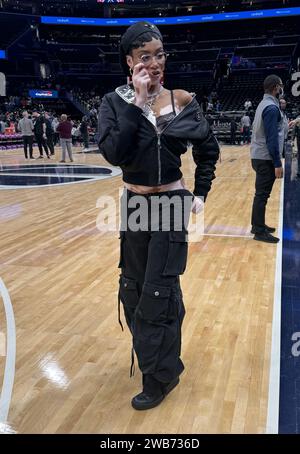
[72,359]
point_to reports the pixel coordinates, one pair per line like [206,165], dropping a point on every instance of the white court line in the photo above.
[220,176]
[9,372]
[227,235]
[233,178]
[274,378]
[2,344]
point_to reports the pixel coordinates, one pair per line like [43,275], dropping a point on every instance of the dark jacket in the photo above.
[49,129]
[84,128]
[38,123]
[128,139]
[233,126]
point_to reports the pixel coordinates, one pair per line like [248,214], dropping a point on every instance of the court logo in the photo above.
[42,175]
[296,345]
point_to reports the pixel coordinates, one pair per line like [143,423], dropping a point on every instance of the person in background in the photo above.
[246,123]
[233,128]
[210,107]
[75,133]
[296,136]
[54,125]
[49,133]
[84,133]
[2,125]
[214,98]
[282,103]
[247,105]
[266,151]
[40,133]
[204,103]
[65,133]
[25,126]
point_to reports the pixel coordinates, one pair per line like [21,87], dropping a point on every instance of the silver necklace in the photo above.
[152,98]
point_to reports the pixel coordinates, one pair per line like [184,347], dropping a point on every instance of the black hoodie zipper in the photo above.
[160,133]
[158,157]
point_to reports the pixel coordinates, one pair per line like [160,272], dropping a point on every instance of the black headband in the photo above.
[131,35]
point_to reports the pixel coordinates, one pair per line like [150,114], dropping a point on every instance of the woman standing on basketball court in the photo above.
[144,128]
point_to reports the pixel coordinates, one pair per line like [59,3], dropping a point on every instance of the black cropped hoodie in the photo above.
[128,138]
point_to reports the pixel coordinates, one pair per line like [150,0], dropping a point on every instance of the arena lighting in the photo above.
[2,54]
[200,18]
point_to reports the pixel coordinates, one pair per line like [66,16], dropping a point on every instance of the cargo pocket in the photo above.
[122,240]
[177,254]
[128,291]
[154,302]
[128,295]
[150,326]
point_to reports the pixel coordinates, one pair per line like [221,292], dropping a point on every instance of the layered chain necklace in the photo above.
[152,98]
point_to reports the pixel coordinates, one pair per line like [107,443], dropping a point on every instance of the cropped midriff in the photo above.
[149,189]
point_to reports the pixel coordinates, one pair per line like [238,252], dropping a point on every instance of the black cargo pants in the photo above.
[152,258]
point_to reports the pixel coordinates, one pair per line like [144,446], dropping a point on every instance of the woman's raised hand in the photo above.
[141,82]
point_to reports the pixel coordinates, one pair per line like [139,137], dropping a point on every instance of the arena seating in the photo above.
[84,63]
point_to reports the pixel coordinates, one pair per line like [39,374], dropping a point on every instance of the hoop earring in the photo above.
[130,71]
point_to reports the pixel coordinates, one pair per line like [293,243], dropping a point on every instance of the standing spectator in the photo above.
[2,125]
[65,133]
[75,134]
[247,105]
[282,103]
[266,149]
[49,133]
[296,135]
[233,128]
[210,107]
[214,98]
[246,123]
[40,133]
[204,103]
[85,133]
[54,125]
[25,126]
